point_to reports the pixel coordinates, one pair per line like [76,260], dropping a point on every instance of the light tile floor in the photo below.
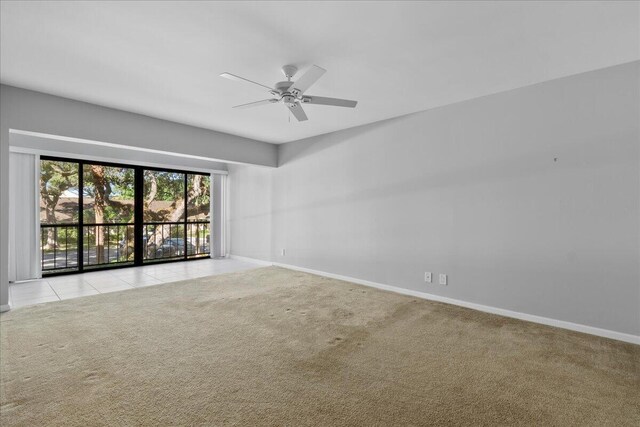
[100,282]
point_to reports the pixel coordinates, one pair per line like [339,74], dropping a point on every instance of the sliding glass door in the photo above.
[176,215]
[164,212]
[102,215]
[108,196]
[198,214]
[59,215]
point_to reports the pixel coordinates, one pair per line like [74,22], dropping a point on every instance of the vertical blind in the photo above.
[24,218]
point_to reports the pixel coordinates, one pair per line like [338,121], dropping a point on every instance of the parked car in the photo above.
[122,245]
[169,248]
[174,247]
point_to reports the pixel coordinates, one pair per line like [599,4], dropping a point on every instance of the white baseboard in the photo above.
[592,330]
[251,260]
[4,307]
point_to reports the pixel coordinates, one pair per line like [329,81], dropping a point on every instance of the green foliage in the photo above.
[67,238]
[55,179]
[118,190]
[204,195]
[170,185]
[119,183]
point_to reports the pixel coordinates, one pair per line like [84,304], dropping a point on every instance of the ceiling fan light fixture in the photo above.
[291,93]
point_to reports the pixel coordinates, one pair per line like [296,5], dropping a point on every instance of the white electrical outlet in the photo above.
[427,277]
[443,279]
[283,252]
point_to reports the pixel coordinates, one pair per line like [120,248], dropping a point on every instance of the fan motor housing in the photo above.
[283,87]
[289,100]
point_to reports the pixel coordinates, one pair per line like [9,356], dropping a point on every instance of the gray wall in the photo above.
[250,202]
[38,112]
[527,199]
[70,149]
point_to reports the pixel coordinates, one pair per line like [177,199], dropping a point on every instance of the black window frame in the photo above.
[138,220]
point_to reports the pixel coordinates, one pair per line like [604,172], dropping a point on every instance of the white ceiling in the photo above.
[163,59]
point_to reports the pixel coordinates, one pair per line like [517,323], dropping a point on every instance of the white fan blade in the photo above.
[305,82]
[321,100]
[242,79]
[298,112]
[257,103]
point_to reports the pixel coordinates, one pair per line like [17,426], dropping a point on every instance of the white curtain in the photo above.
[219,224]
[24,218]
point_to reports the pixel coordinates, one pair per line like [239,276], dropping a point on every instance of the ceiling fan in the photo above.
[292,93]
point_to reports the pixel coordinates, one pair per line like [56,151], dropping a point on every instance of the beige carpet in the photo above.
[277,347]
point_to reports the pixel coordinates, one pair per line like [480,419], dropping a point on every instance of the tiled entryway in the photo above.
[99,282]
